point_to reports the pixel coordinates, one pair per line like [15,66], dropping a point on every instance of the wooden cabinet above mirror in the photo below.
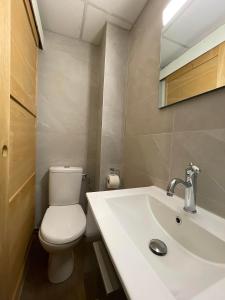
[202,75]
[192,59]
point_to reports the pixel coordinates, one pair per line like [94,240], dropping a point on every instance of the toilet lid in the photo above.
[63,224]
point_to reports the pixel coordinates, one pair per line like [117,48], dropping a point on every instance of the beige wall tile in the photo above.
[135,178]
[202,112]
[143,116]
[159,144]
[155,152]
[113,85]
[203,148]
[207,150]
[149,154]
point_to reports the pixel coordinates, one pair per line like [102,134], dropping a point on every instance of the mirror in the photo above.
[192,58]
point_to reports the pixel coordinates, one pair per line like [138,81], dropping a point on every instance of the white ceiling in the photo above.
[193,23]
[85,19]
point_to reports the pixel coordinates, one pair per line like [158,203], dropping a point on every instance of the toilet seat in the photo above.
[63,224]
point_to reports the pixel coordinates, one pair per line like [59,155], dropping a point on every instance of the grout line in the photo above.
[136,20]
[171,145]
[125,106]
[118,26]
[86,3]
[72,38]
[175,42]
[216,182]
[177,132]
[110,14]
[83,19]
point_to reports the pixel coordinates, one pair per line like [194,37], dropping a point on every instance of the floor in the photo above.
[84,284]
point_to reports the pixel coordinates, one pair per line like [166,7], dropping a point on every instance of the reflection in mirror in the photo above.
[192,58]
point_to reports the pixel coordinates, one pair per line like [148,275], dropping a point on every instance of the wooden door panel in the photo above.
[20,227]
[4,142]
[23,57]
[22,147]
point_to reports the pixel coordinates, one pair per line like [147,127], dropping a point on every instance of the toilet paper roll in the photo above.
[113,181]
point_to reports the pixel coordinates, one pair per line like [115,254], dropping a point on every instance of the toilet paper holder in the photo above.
[84,176]
[114,171]
[113,179]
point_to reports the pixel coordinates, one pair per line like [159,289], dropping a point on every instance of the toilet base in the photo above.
[60,266]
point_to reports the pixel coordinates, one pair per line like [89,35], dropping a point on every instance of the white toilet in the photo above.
[64,222]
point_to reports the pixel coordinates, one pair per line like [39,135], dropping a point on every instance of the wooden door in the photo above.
[18,67]
[4,140]
[21,140]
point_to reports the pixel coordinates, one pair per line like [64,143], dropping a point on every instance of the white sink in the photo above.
[194,267]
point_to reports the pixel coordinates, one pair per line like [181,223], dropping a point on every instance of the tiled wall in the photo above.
[100,107]
[113,71]
[68,89]
[160,143]
[113,85]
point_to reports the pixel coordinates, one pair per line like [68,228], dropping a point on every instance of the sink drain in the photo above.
[158,247]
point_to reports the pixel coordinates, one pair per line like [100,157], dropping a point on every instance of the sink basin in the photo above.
[189,234]
[194,267]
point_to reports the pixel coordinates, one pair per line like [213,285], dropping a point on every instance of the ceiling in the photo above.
[85,19]
[195,21]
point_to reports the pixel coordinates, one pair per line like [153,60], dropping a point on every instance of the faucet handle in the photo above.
[195,169]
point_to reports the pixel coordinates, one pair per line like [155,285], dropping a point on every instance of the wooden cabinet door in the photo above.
[203,74]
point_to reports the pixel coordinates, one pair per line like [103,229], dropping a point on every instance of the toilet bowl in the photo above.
[64,222]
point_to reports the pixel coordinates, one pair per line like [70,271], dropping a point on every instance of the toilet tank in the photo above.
[64,185]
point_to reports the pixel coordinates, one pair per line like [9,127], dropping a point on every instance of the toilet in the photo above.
[64,222]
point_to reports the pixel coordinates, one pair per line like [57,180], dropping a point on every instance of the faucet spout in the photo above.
[190,184]
[173,183]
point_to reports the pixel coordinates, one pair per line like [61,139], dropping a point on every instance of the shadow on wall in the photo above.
[93,108]
[44,191]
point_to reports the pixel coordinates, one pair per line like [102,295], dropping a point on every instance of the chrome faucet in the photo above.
[190,184]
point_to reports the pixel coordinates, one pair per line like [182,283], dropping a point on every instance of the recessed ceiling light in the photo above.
[171,9]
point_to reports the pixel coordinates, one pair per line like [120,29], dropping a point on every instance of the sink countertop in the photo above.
[139,279]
